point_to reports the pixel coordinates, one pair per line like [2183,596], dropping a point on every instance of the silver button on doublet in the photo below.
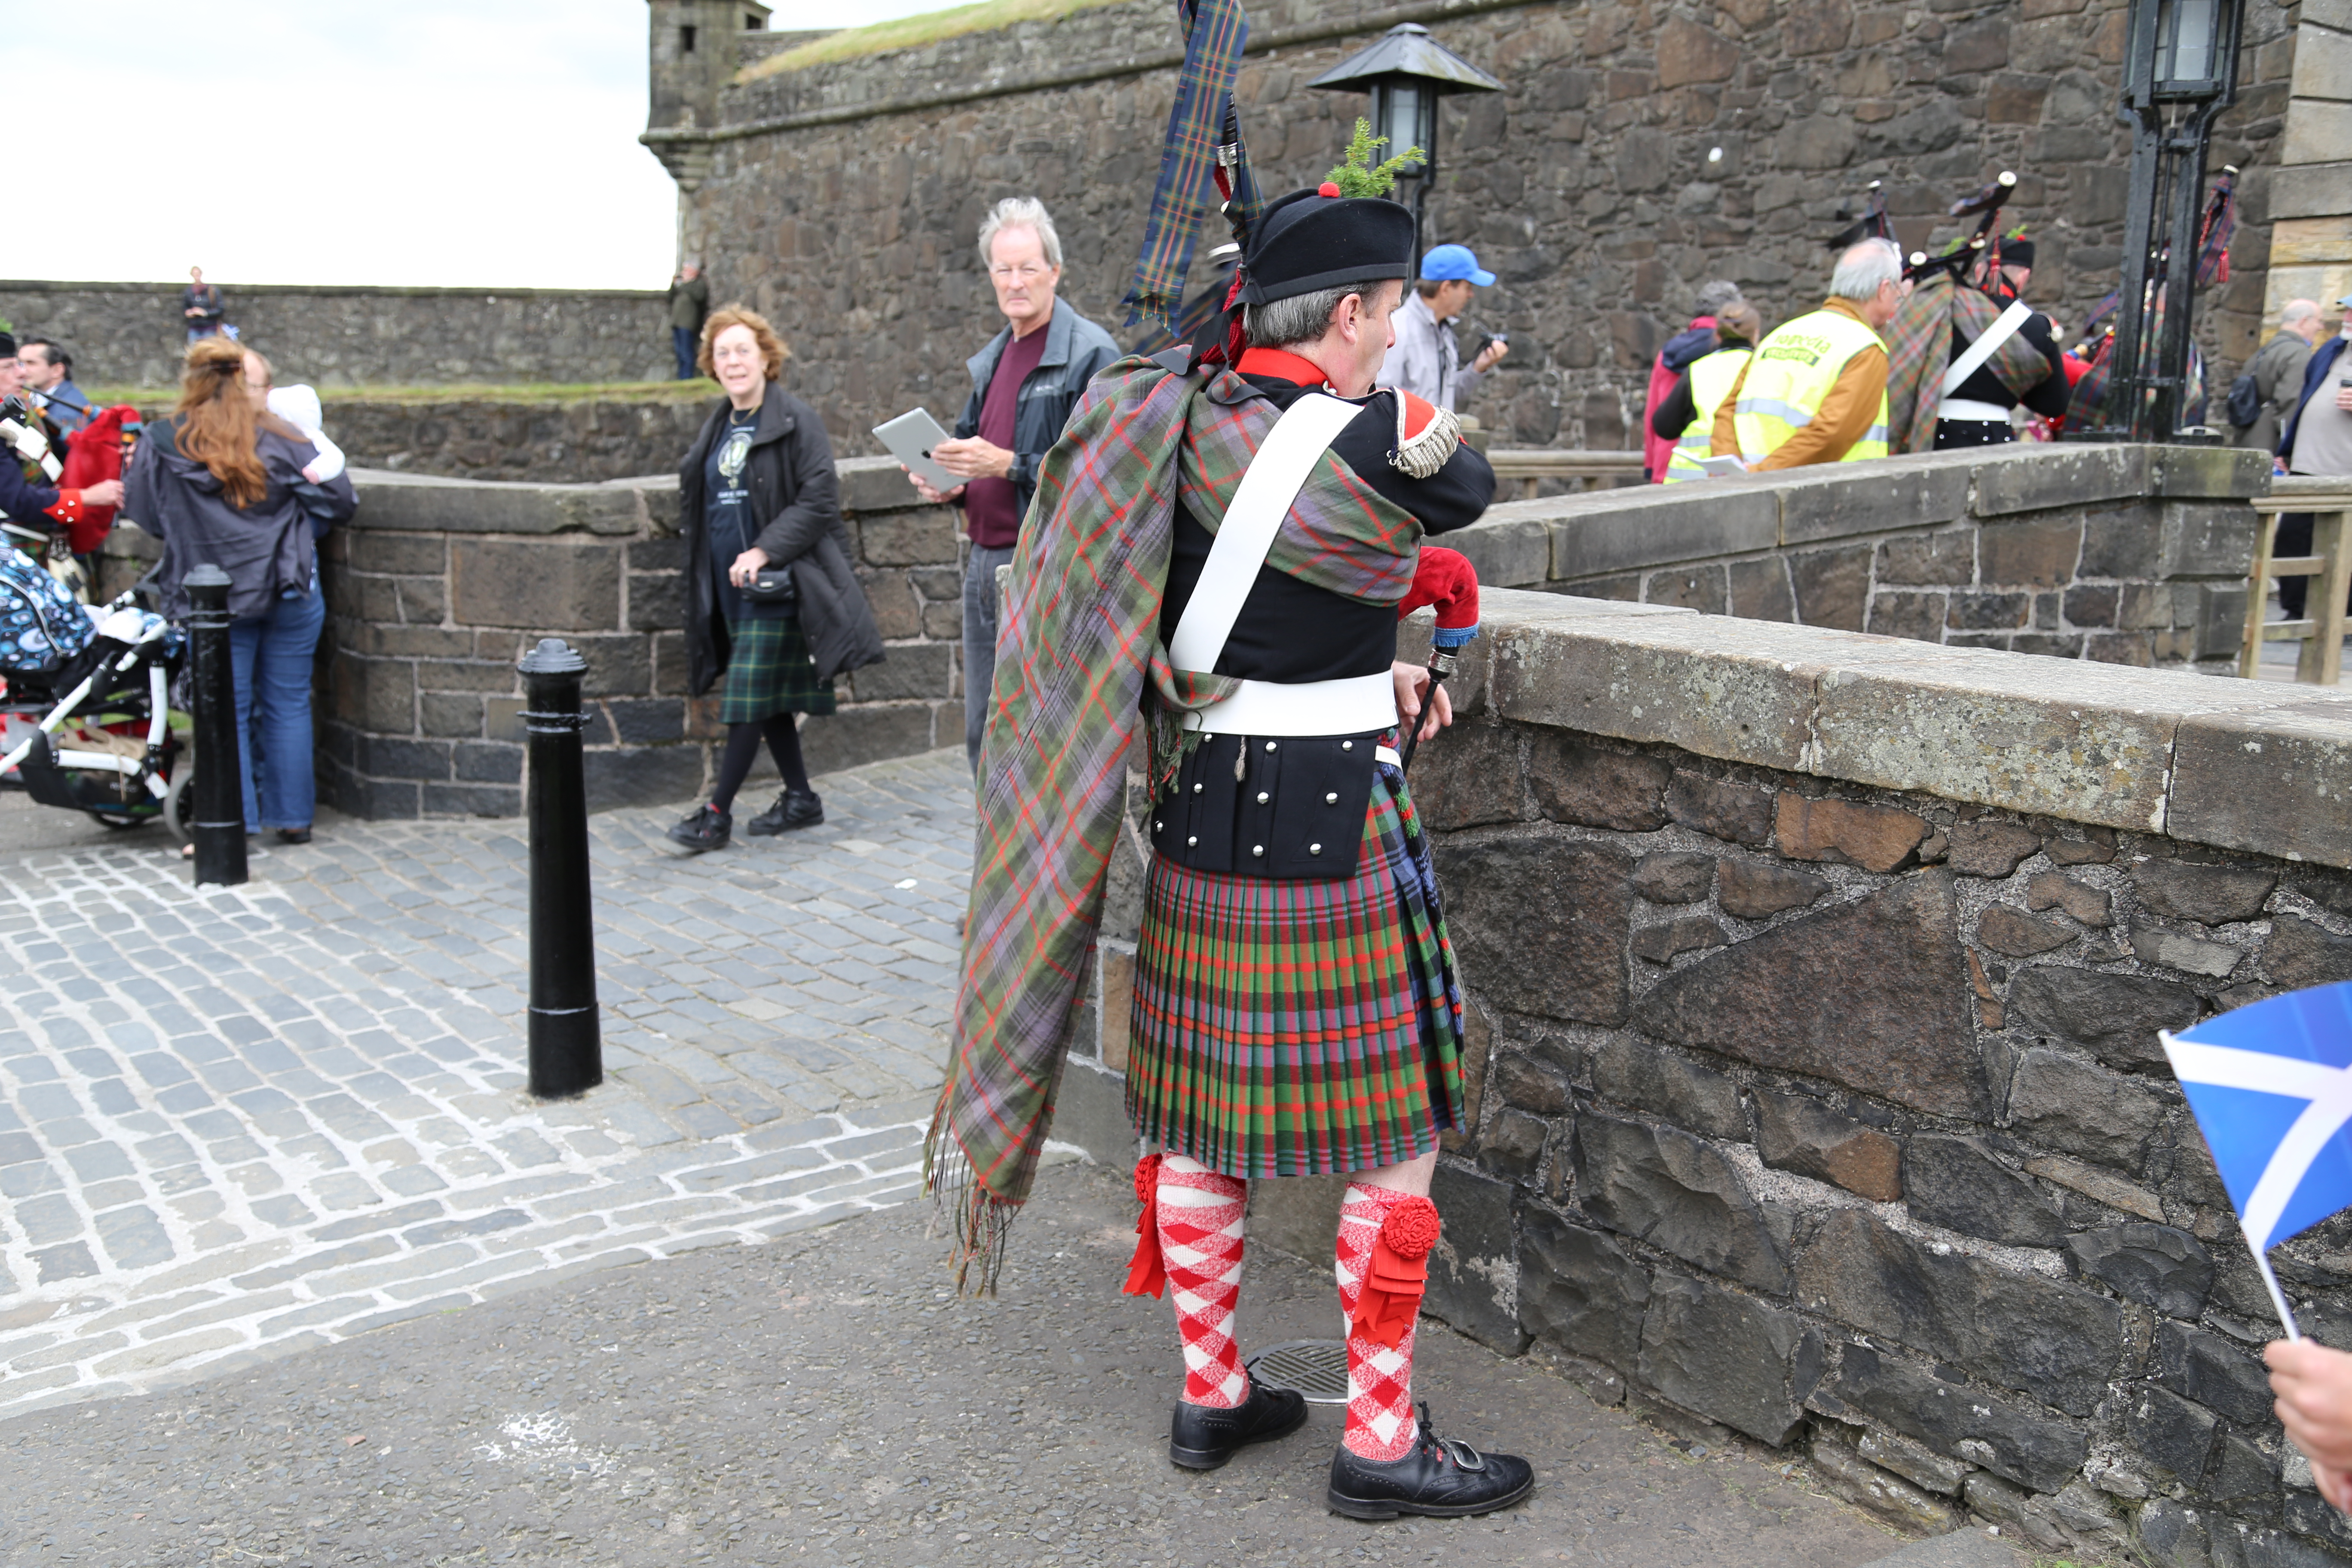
[1189,843]
[1332,798]
[1269,745]
[1257,849]
[1196,789]
[1158,827]
[1262,797]
[1347,745]
[1315,849]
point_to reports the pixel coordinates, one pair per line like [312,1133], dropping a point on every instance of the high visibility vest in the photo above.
[1710,382]
[1795,367]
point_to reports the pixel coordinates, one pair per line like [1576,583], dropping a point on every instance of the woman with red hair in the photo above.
[220,481]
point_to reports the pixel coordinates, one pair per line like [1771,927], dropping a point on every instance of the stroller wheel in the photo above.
[179,801]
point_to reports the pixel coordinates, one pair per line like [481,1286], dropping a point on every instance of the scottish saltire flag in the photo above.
[2271,1086]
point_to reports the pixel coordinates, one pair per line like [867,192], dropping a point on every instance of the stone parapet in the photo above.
[439,586]
[2122,554]
[131,334]
[1813,1085]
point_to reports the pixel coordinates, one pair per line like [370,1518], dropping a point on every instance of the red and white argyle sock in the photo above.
[1200,1214]
[1380,1380]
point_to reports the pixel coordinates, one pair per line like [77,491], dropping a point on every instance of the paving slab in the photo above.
[329,1059]
[825,1400]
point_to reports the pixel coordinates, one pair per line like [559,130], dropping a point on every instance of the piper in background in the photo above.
[1965,349]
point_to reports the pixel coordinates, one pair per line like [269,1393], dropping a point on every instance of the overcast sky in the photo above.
[453,141]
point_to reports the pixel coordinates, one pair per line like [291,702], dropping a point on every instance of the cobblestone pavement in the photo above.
[236,1122]
[824,1402]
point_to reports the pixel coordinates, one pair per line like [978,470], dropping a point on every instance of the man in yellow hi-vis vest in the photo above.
[1685,416]
[1816,390]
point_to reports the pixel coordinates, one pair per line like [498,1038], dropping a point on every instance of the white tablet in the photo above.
[910,437]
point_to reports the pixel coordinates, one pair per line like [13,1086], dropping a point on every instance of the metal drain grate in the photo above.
[1318,1369]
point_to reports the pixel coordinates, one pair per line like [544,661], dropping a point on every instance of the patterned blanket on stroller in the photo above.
[41,624]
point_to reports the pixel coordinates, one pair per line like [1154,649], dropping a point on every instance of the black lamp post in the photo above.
[1406,73]
[2180,70]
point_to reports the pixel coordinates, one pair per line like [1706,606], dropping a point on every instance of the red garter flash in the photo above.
[1398,1273]
[1146,1273]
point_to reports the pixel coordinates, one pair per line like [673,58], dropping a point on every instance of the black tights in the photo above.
[743,750]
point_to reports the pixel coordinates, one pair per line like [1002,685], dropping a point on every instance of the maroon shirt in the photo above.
[990,508]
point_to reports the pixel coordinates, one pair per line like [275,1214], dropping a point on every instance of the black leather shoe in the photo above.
[1200,1438]
[1442,1477]
[706,827]
[794,809]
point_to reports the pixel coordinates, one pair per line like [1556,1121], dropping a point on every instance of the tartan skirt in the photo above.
[769,672]
[1294,1028]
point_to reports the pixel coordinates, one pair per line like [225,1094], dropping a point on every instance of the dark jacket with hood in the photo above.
[796,506]
[268,549]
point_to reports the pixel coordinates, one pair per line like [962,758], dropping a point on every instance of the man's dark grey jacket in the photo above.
[1076,349]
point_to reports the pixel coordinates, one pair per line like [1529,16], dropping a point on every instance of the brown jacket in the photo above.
[1845,416]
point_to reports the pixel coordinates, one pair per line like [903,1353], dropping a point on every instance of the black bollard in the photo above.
[219,819]
[567,1055]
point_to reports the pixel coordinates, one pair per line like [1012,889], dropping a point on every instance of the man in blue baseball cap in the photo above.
[1424,360]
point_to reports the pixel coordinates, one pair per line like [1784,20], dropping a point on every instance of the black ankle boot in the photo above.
[706,827]
[1442,1477]
[1200,1438]
[794,809]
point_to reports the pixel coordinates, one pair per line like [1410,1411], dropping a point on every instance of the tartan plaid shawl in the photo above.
[1919,346]
[1215,34]
[1078,643]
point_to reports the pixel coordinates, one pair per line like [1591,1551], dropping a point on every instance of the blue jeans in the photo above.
[683,341]
[271,656]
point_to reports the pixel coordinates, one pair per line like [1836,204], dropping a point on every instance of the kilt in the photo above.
[769,672]
[1293,1028]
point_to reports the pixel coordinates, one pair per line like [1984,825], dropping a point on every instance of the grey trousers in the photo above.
[978,643]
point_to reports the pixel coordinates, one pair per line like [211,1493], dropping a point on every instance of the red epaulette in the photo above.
[1418,413]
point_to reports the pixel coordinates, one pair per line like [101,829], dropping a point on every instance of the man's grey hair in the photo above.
[1018,212]
[1864,269]
[2299,310]
[1713,297]
[1302,318]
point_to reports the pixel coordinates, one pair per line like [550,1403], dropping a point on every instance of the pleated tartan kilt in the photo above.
[1292,1028]
[769,672]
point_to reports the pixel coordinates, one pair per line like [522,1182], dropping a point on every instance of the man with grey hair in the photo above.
[1815,390]
[2277,371]
[1682,349]
[1023,386]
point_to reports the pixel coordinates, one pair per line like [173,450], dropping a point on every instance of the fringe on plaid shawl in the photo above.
[1079,646]
[1919,348]
[1215,34]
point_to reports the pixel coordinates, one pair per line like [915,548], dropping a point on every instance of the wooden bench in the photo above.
[2321,631]
[1531,465]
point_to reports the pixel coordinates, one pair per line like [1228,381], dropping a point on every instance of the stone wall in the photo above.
[1814,1089]
[130,335]
[846,197]
[548,440]
[2125,554]
[438,587]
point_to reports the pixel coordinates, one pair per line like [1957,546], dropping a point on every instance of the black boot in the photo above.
[1200,1438]
[1442,1477]
[706,827]
[794,809]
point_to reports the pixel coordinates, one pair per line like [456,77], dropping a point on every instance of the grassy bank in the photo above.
[912,32]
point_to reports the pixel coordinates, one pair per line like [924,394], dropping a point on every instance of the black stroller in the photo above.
[85,711]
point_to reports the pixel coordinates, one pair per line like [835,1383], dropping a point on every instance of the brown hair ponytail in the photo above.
[218,424]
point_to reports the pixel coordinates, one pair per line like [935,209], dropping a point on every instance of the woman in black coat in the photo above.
[757,495]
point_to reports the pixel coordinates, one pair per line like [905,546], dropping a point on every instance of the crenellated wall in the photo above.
[1816,1095]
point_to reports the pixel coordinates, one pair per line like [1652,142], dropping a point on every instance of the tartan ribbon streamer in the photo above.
[1214,33]
[1919,347]
[1078,647]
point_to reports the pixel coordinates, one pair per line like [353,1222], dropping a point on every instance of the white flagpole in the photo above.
[2278,1298]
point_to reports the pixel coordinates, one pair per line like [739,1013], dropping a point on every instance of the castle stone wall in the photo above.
[131,334]
[844,198]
